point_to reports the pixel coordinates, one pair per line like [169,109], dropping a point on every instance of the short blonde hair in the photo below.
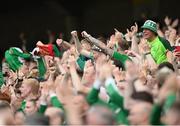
[33,84]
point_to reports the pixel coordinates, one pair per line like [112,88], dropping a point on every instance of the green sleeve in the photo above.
[166,44]
[57,53]
[155,116]
[23,105]
[169,102]
[55,102]
[113,93]
[81,63]
[92,96]
[122,118]
[116,102]
[121,57]
[41,67]
[91,55]
[42,109]
[116,46]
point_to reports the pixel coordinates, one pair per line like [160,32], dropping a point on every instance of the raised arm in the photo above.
[65,44]
[135,39]
[98,43]
[78,45]
[75,78]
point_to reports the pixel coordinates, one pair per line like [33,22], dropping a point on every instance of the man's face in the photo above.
[138,114]
[30,107]
[86,46]
[25,90]
[147,34]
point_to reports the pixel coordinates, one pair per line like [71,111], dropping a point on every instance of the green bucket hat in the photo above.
[151,25]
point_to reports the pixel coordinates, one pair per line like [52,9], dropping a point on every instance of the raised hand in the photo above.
[172,36]
[85,34]
[71,61]
[118,35]
[134,29]
[175,23]
[167,21]
[74,33]
[169,86]
[111,42]
[128,35]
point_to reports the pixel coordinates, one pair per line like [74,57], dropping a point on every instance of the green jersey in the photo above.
[159,48]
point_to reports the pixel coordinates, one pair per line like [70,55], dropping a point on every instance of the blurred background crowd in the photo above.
[95,62]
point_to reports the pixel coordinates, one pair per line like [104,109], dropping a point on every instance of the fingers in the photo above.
[136,25]
[127,30]
[74,33]
[39,43]
[84,34]
[116,30]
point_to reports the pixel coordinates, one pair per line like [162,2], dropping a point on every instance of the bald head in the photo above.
[100,115]
[56,115]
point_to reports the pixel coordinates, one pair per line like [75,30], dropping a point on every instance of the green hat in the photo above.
[151,25]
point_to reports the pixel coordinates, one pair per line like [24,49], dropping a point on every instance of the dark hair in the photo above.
[166,64]
[142,96]
[37,119]
[125,45]
[118,64]
[4,105]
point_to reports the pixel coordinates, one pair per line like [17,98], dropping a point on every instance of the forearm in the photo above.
[134,46]
[66,44]
[73,115]
[92,96]
[150,60]
[113,92]
[42,108]
[75,79]
[160,33]
[169,56]
[77,43]
[100,44]
[155,116]
[54,101]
